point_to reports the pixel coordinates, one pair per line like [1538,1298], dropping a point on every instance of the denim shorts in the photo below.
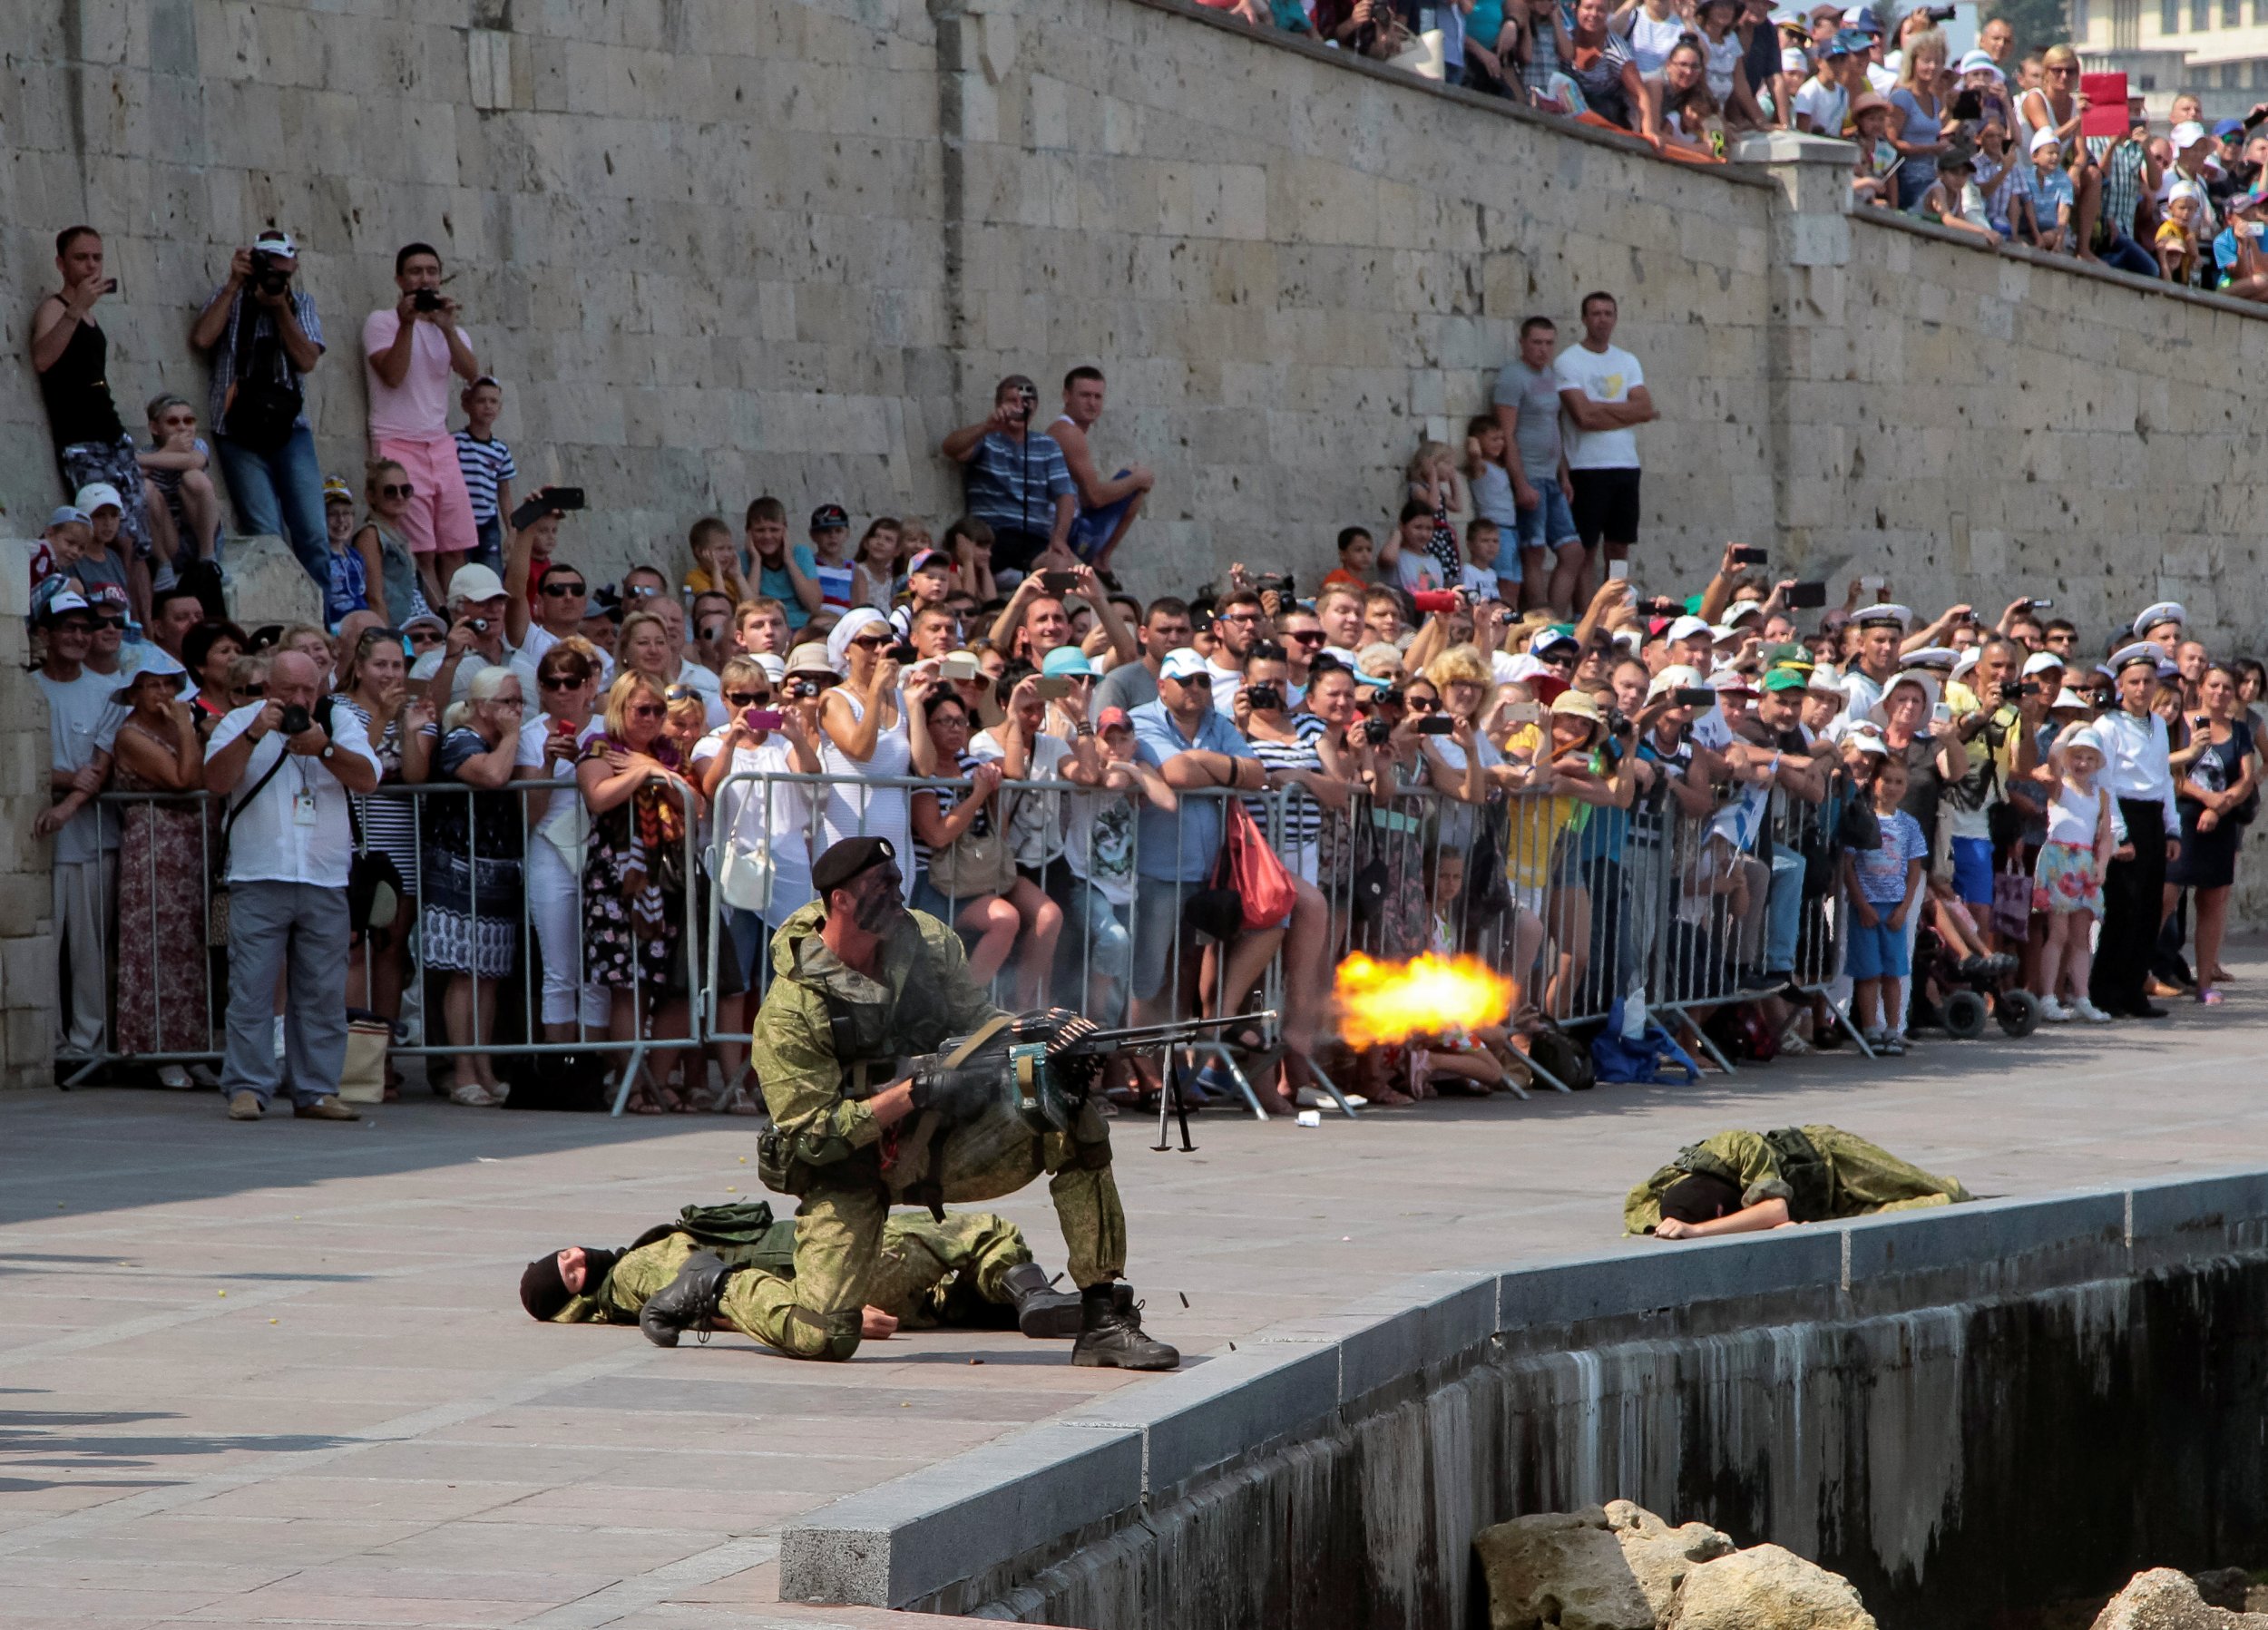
[1551,523]
[1876,952]
[1972,870]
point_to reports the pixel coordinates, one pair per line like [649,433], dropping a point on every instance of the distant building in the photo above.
[2216,49]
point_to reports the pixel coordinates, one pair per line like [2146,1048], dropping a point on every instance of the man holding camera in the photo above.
[1019,484]
[265,339]
[482,617]
[282,780]
[409,352]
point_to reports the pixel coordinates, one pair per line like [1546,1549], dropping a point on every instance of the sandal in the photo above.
[737,1099]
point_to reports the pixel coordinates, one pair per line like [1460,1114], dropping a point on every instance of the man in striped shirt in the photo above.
[489,472]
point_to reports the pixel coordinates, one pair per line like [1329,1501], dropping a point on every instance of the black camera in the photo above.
[801,690]
[1939,14]
[904,652]
[1265,699]
[267,276]
[296,721]
[1279,581]
[425,299]
[1437,724]
[1375,731]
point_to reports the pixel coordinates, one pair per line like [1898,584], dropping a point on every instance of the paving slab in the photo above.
[277,1373]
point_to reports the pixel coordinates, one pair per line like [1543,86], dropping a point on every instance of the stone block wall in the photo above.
[716,248]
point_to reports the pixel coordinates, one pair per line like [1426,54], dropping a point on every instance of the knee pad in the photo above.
[829,1337]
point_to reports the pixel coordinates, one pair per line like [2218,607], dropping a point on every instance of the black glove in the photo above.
[956,1091]
[1060,1028]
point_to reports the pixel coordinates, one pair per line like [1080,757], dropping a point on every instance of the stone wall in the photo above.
[716,247]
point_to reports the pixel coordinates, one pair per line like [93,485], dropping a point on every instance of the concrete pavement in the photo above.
[278,1374]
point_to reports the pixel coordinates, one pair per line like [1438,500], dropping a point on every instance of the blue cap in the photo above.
[1066,659]
[68,515]
[1861,19]
[2229,127]
[1849,42]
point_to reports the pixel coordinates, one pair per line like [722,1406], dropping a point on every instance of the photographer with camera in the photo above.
[409,351]
[260,329]
[282,780]
[480,614]
[1019,484]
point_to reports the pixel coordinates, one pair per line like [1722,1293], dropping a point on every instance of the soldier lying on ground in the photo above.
[972,1271]
[1743,1182]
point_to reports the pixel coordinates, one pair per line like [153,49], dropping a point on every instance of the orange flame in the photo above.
[1380,1003]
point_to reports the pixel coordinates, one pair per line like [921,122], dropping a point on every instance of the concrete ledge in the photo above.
[1214,1412]
[1647,1276]
[908,1539]
[1118,1458]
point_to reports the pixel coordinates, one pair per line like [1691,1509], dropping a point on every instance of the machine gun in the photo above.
[1039,1067]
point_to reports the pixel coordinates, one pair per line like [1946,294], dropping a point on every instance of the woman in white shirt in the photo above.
[862,721]
[565,684]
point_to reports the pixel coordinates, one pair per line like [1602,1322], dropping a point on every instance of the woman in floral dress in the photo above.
[162,867]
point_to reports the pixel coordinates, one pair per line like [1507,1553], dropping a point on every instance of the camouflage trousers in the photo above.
[846,1255]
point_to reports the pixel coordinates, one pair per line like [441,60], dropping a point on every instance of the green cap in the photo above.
[1787,655]
[1786,679]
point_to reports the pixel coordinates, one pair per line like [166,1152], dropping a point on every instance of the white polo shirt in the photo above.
[296,828]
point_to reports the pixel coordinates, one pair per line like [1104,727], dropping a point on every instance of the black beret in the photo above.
[542,1291]
[846,860]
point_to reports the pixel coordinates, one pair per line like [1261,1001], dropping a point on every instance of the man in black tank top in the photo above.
[71,355]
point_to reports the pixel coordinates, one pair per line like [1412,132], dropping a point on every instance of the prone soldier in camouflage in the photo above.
[867,1113]
[1741,1181]
[972,1270]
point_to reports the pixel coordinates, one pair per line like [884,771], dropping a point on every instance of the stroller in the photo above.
[1959,993]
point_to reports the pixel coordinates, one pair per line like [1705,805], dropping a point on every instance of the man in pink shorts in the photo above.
[410,352]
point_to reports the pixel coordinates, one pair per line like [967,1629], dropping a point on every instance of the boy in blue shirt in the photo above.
[1881,886]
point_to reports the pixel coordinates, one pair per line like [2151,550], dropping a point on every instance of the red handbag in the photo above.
[1261,880]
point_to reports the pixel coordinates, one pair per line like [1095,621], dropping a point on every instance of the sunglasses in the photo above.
[258,689]
[1204,679]
[748,699]
[871,641]
[1305,636]
[423,635]
[648,710]
[559,682]
[683,693]
[552,591]
[403,491]
[1421,704]
[109,623]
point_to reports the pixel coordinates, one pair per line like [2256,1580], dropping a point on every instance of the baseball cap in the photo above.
[2044,136]
[475,581]
[1677,676]
[70,515]
[2187,135]
[1867,739]
[1850,42]
[830,517]
[1548,637]
[336,490]
[2067,698]
[1067,660]
[2229,127]
[1181,663]
[1786,679]
[1114,718]
[65,602]
[275,241]
[775,669]
[1686,628]
[2040,662]
[1862,19]
[924,558]
[95,495]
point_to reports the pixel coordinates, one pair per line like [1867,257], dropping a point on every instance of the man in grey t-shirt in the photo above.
[1165,628]
[1527,408]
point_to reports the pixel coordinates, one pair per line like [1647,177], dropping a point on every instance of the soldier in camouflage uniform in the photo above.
[972,1270]
[865,1116]
[1743,1182]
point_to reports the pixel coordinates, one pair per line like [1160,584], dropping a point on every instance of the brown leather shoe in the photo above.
[244,1105]
[325,1109]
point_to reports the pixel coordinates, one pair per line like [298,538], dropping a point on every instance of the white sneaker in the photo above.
[2052,1011]
[2089,1011]
[175,1076]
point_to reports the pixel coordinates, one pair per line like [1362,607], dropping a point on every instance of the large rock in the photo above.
[1561,1570]
[1767,1587]
[2166,1599]
[1660,1556]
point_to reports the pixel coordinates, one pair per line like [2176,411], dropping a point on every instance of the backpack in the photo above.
[1740,1032]
[1559,1056]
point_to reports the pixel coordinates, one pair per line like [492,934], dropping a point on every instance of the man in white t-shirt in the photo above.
[291,847]
[1603,392]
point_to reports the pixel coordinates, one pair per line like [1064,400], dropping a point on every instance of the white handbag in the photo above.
[745,877]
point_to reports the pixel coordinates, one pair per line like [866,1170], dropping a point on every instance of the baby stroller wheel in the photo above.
[1964,1015]
[2019,1013]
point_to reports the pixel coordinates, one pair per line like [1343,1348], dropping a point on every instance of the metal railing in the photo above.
[1098,898]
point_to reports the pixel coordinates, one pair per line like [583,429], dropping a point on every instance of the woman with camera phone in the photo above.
[864,724]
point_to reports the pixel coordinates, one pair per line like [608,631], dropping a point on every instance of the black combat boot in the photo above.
[1042,1312]
[689,1302]
[1110,1332]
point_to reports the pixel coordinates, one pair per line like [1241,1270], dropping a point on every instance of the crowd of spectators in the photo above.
[1991,146]
[489,804]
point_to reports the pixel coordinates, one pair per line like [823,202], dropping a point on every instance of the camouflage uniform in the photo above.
[827,1039]
[925,1274]
[1822,1171]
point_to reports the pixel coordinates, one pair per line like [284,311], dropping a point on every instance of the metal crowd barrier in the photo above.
[1584,907]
